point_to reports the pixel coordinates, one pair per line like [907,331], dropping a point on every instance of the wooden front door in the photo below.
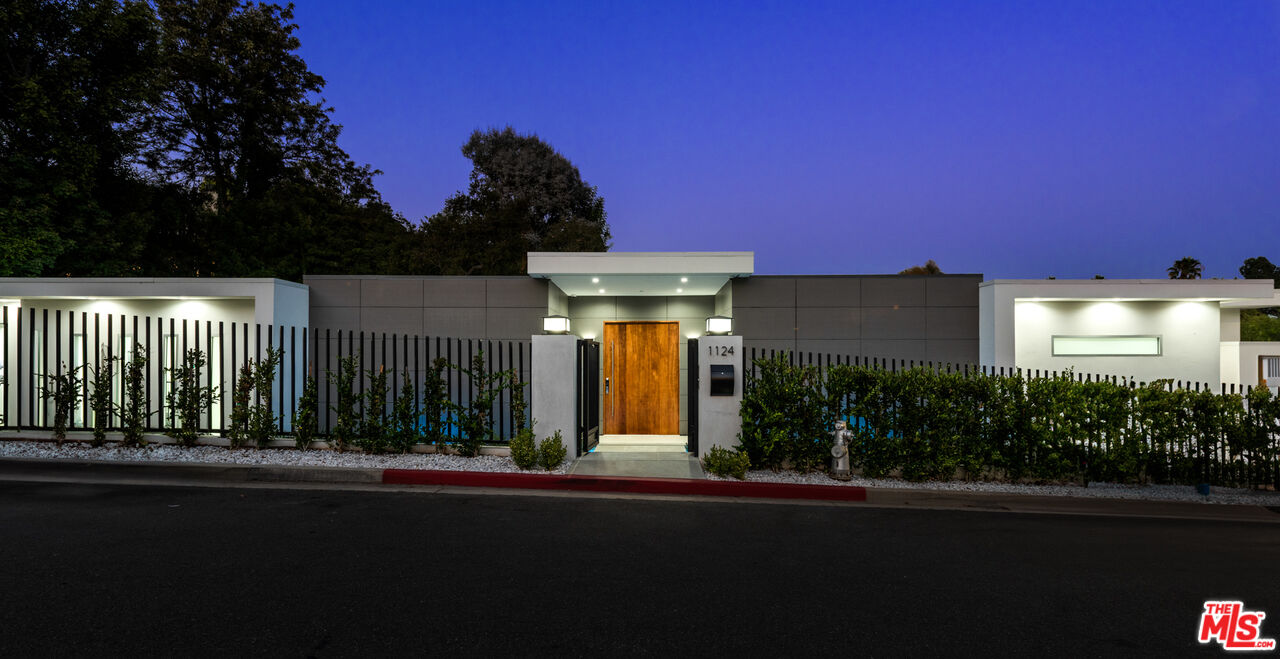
[642,378]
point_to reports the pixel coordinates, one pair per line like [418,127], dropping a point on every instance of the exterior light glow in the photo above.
[602,290]
[595,280]
[719,325]
[679,290]
[684,280]
[555,325]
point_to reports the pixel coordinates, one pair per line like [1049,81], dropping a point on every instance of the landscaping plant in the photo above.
[134,413]
[262,418]
[373,425]
[241,406]
[186,398]
[524,450]
[404,419]
[347,420]
[101,403]
[435,405]
[475,418]
[63,391]
[726,463]
[551,451]
[306,422]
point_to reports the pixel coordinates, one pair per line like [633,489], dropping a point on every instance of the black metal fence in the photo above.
[38,345]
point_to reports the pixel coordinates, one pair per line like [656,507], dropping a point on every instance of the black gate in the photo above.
[588,387]
[693,396]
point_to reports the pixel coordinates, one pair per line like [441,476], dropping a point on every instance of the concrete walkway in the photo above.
[644,456]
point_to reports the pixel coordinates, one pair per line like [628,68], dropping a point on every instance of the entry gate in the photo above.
[692,389]
[588,401]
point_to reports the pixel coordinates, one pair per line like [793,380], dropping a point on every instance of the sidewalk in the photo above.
[87,471]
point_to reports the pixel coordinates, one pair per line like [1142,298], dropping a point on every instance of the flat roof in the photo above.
[1240,292]
[640,273]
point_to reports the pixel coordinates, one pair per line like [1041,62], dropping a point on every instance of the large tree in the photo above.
[1259,267]
[75,81]
[523,196]
[1186,268]
[241,126]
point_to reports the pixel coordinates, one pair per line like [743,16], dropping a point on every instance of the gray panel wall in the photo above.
[914,317]
[466,307]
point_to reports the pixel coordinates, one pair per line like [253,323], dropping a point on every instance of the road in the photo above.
[113,570]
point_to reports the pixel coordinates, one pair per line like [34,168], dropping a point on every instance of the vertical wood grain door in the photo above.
[642,378]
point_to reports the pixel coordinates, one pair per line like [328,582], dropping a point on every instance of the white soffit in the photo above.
[640,273]
[1231,292]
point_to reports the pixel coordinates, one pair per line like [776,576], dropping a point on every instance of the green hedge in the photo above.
[932,425]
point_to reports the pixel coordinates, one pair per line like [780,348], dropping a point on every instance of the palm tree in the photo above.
[1186,268]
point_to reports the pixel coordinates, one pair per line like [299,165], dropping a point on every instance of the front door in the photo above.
[642,378]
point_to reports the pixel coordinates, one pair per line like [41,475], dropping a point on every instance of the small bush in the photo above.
[435,405]
[241,408]
[373,427]
[133,416]
[524,451]
[404,419]
[186,398]
[306,422]
[551,451]
[100,402]
[64,392]
[347,419]
[725,463]
[263,418]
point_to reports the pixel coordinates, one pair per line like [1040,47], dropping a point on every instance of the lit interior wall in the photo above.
[1189,331]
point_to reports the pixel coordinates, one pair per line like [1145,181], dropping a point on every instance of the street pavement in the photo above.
[145,570]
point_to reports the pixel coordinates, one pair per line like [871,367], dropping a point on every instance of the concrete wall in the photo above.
[1189,334]
[588,314]
[1241,359]
[465,307]
[929,318]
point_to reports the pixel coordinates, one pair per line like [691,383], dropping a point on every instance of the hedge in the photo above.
[928,424]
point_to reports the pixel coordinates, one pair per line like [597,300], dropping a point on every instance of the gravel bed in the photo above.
[270,456]
[1218,495]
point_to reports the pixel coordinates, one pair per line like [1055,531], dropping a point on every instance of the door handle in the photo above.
[606,385]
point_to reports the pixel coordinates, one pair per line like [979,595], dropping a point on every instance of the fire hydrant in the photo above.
[840,452]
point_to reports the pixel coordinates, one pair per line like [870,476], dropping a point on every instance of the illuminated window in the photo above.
[1106,346]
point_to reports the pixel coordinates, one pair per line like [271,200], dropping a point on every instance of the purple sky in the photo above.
[1014,139]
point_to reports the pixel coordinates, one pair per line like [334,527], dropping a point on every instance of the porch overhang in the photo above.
[640,273]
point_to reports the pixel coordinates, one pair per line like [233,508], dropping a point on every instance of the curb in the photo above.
[630,485]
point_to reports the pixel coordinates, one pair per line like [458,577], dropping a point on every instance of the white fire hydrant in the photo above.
[840,452]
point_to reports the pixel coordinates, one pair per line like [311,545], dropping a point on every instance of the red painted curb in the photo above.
[624,484]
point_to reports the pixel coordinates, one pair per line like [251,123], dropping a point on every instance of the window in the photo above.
[1106,346]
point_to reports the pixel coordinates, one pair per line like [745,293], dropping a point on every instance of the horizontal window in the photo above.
[1106,346]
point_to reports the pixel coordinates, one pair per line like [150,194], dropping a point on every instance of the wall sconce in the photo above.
[719,325]
[555,324]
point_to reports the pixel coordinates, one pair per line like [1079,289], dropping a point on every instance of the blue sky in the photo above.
[1014,139]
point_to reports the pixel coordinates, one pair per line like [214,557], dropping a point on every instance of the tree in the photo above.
[523,196]
[75,81]
[1259,267]
[1186,268]
[241,127]
[930,267]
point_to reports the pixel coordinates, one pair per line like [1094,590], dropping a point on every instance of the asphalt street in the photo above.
[119,570]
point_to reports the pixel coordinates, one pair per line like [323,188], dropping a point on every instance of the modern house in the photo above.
[629,343]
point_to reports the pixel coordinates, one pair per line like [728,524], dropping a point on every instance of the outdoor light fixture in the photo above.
[684,280]
[719,325]
[595,280]
[679,290]
[555,324]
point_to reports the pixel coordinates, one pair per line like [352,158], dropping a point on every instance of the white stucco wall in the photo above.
[1189,331]
[1247,364]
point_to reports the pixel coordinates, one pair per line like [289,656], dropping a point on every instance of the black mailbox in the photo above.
[722,379]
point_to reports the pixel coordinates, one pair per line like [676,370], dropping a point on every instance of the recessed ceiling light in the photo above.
[684,280]
[595,280]
[602,290]
[679,290]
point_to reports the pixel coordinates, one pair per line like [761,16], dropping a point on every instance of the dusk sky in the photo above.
[1013,139]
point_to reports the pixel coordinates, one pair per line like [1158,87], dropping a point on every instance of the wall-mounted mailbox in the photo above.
[722,379]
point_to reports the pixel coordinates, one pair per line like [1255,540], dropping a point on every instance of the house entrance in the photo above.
[641,378]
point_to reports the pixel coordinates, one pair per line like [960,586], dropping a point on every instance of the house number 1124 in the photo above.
[720,351]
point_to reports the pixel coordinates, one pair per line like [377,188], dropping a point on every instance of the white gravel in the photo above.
[1219,495]
[271,456]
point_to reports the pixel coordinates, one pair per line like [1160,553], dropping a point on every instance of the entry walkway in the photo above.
[651,456]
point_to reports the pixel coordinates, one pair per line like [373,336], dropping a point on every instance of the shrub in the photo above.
[404,420]
[373,422]
[241,406]
[551,451]
[63,390]
[474,419]
[435,404]
[134,414]
[524,451]
[726,463]
[263,418]
[186,398]
[306,422]
[783,412]
[346,418]
[100,401]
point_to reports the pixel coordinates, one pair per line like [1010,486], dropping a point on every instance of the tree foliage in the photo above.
[930,267]
[1186,268]
[190,138]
